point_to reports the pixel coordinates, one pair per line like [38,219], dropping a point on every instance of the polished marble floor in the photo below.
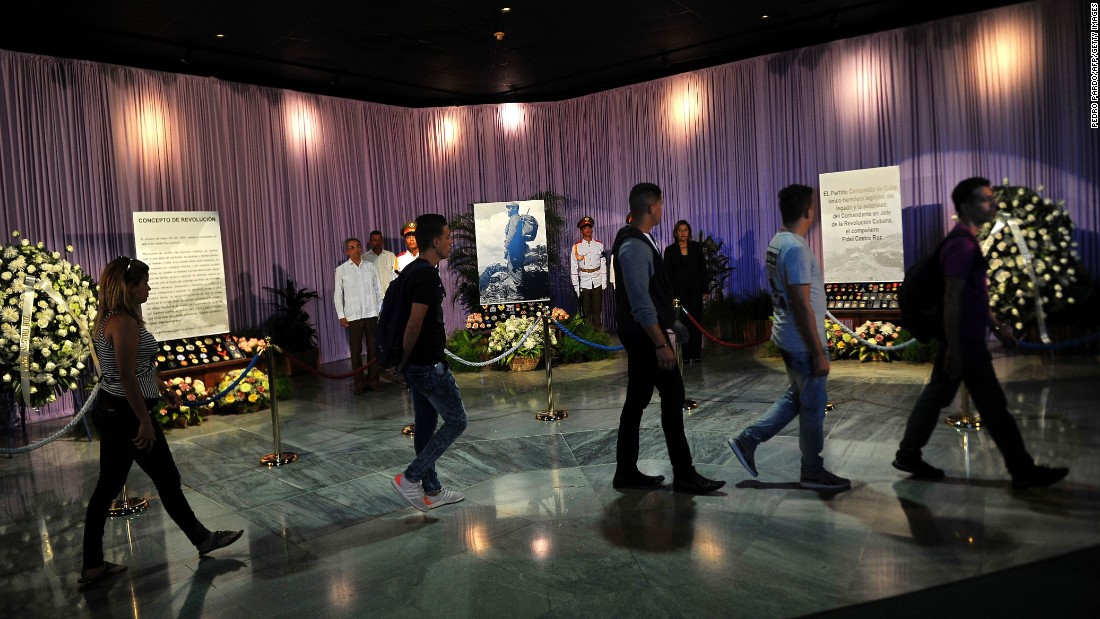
[541,532]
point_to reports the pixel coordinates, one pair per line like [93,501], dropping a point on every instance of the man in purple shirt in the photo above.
[963,355]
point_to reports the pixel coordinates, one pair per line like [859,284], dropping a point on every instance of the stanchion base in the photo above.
[409,430]
[287,457]
[551,415]
[959,422]
[690,405]
[128,507]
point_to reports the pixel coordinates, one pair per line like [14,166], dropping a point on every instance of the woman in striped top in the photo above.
[127,433]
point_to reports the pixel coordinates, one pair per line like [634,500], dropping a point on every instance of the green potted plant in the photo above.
[717,264]
[467,345]
[290,327]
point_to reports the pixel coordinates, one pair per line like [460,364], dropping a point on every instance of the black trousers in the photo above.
[981,381]
[643,375]
[592,306]
[117,426]
[357,331]
[693,303]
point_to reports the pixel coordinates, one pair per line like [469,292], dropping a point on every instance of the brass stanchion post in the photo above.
[126,506]
[689,404]
[279,457]
[964,420]
[551,413]
[965,423]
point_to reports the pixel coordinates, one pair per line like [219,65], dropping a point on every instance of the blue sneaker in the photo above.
[744,456]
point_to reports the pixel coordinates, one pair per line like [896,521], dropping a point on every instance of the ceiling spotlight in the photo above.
[506,9]
[665,62]
[834,22]
[186,57]
[498,36]
[335,80]
[220,35]
[763,17]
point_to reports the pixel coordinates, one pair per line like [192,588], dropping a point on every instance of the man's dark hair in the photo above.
[428,228]
[374,232]
[964,191]
[794,202]
[350,239]
[642,196]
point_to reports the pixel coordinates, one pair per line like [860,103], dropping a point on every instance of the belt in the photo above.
[595,270]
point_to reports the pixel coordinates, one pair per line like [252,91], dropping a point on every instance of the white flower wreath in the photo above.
[1048,232]
[58,349]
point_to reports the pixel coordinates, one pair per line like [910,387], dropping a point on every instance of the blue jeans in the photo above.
[805,399]
[434,394]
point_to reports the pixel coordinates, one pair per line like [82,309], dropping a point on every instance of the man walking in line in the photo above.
[646,318]
[428,375]
[798,302]
[358,297]
[964,356]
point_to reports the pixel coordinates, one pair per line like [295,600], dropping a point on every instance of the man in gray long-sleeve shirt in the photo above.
[645,317]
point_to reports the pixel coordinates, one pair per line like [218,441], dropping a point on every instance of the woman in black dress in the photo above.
[687,269]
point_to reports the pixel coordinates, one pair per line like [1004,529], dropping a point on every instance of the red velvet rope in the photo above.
[317,372]
[720,342]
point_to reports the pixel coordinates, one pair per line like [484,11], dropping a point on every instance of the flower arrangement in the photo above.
[1047,230]
[506,334]
[252,394]
[249,345]
[187,414]
[57,347]
[839,341]
[475,321]
[879,332]
[559,314]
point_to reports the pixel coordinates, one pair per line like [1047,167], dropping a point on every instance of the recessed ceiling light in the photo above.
[220,36]
[763,17]
[506,9]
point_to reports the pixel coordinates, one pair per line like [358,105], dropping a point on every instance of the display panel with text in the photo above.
[186,273]
[861,232]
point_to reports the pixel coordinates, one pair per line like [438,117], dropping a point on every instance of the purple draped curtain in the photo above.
[1002,93]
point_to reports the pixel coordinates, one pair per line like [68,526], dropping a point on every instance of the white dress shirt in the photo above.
[384,263]
[403,260]
[358,294]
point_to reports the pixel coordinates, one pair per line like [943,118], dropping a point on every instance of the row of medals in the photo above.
[187,352]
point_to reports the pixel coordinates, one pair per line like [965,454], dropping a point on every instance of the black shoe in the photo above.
[918,469]
[824,480]
[637,480]
[218,539]
[744,456]
[694,483]
[1039,476]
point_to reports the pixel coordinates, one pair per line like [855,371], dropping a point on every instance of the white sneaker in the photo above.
[413,492]
[444,497]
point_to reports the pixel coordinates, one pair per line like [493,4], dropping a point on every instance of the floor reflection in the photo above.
[542,533]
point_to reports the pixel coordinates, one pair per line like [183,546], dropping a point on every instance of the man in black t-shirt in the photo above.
[431,384]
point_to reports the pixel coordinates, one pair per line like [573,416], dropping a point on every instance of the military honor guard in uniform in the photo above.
[589,273]
[406,257]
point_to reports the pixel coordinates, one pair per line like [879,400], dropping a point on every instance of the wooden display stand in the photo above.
[858,317]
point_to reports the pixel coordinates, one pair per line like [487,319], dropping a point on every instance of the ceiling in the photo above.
[444,52]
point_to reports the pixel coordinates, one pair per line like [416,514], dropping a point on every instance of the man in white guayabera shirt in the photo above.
[358,299]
